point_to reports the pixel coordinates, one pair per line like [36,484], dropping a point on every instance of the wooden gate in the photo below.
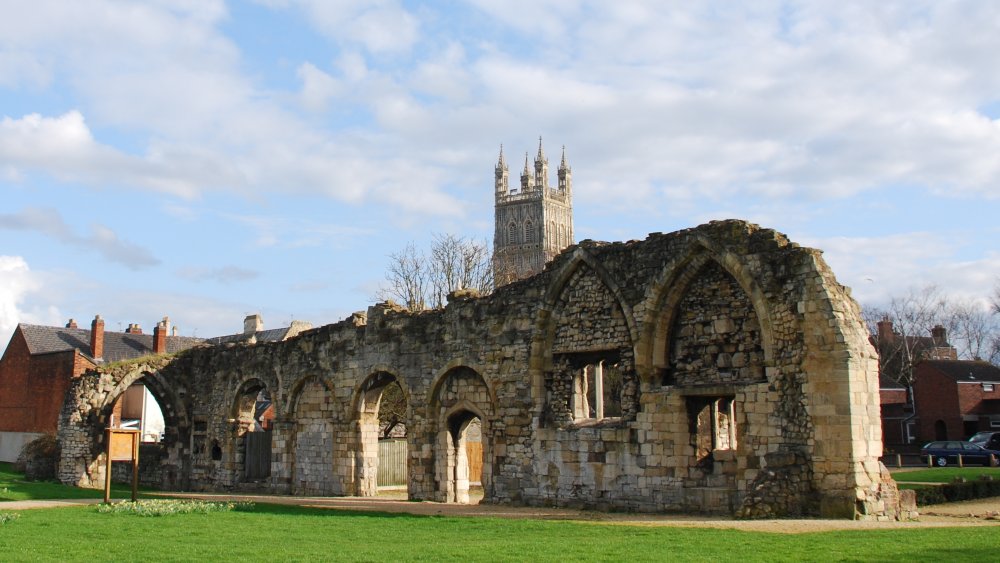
[391,462]
[257,460]
[474,451]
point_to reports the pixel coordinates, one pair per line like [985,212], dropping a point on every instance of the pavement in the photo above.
[983,512]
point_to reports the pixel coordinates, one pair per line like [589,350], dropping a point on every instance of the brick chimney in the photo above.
[133,328]
[160,336]
[253,324]
[940,335]
[885,333]
[71,323]
[97,338]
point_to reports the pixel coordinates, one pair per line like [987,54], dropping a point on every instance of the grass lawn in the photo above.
[14,487]
[944,474]
[292,533]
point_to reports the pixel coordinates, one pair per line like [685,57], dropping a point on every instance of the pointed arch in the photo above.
[670,287]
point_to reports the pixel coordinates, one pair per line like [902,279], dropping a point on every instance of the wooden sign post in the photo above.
[123,445]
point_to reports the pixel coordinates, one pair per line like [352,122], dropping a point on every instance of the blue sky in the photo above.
[206,160]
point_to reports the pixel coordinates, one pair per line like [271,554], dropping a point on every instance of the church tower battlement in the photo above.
[533,223]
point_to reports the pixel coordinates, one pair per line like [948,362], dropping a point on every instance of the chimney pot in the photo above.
[71,323]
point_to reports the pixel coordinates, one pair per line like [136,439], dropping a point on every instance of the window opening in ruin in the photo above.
[712,423]
[597,383]
[216,451]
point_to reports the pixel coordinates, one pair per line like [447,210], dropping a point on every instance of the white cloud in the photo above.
[381,26]
[318,87]
[15,281]
[100,239]
[879,268]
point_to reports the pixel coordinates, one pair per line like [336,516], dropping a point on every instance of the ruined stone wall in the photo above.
[748,388]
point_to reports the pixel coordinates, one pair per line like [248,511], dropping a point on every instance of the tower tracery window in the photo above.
[511,233]
[529,232]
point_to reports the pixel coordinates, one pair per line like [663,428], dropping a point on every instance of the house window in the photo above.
[995,423]
[987,387]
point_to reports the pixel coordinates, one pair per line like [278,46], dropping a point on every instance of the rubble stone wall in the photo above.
[748,388]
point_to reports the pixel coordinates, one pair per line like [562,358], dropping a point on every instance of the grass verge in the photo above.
[945,474]
[14,487]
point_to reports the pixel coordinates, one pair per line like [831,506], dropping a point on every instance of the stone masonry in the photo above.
[746,386]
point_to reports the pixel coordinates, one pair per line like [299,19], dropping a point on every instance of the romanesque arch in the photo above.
[460,397]
[87,411]
[366,405]
[249,443]
[310,438]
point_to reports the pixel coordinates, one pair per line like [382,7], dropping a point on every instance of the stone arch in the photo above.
[460,395]
[308,433]
[365,406]
[576,359]
[86,412]
[671,286]
[248,448]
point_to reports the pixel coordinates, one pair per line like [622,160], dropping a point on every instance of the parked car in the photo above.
[947,451]
[989,439]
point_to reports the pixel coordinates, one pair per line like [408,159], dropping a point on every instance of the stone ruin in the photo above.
[720,369]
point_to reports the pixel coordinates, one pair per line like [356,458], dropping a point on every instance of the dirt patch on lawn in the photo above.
[971,513]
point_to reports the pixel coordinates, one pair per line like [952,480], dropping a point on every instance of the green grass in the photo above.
[944,474]
[293,533]
[14,487]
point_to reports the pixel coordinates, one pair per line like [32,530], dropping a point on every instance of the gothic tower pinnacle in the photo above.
[533,224]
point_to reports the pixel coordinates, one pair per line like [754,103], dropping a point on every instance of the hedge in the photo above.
[959,490]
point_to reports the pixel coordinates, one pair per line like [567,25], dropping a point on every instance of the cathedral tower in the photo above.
[533,223]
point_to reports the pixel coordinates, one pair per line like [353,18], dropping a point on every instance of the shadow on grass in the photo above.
[13,486]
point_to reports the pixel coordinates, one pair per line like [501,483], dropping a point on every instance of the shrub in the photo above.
[39,458]
[959,490]
[164,507]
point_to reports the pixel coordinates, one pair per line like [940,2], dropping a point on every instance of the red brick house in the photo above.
[954,399]
[41,361]
[898,420]
[898,357]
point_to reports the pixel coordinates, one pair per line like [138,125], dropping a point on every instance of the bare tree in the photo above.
[973,328]
[912,316]
[392,410]
[407,278]
[422,281]
[459,263]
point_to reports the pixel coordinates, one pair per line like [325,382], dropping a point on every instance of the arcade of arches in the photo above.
[719,369]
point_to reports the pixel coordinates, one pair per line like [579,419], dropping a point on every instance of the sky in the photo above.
[206,160]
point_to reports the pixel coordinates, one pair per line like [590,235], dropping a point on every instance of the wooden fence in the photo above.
[392,462]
